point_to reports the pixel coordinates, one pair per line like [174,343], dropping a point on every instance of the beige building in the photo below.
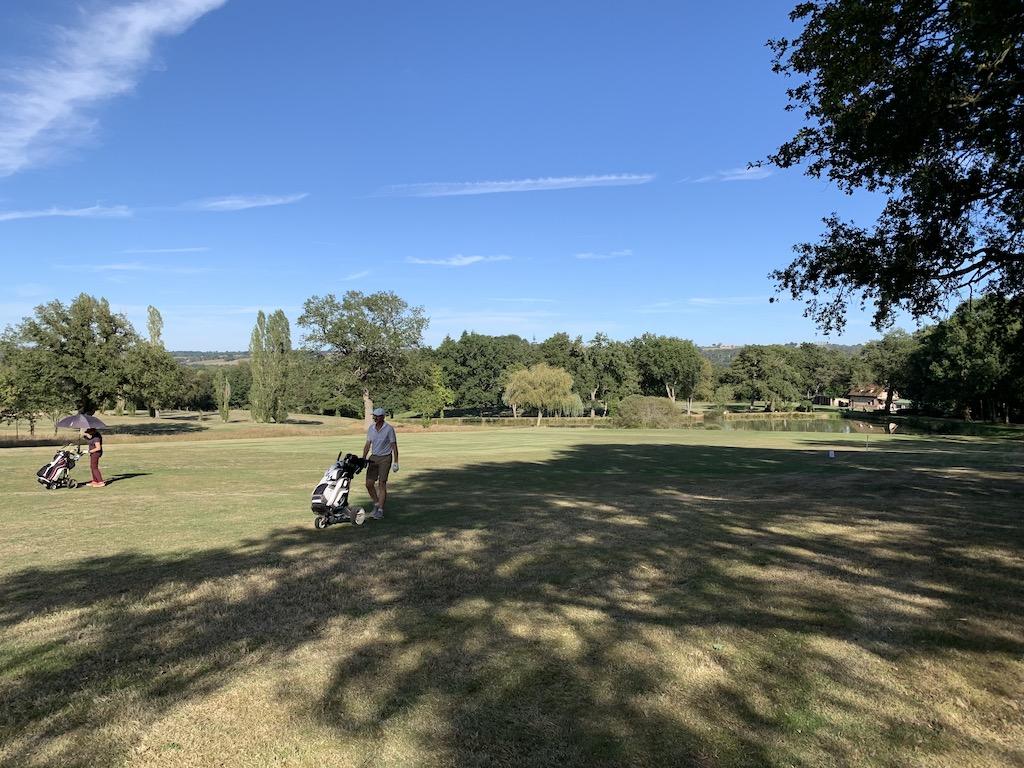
[870,398]
[835,402]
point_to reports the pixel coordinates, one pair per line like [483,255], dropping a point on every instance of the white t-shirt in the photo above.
[381,441]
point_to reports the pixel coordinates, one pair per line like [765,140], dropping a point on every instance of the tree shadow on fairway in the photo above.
[615,605]
[158,428]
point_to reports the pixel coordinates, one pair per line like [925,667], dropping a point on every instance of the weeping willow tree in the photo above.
[544,388]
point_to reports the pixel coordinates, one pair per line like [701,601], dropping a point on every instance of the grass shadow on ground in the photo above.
[615,605]
[111,479]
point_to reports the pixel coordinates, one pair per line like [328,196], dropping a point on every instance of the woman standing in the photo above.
[95,451]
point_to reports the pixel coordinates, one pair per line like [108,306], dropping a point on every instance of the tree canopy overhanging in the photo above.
[923,102]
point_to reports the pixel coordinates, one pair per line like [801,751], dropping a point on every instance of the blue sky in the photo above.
[522,168]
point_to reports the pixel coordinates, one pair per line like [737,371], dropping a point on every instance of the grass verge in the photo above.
[533,597]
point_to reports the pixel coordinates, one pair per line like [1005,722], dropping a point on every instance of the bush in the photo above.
[638,412]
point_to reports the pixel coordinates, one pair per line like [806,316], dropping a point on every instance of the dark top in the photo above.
[96,442]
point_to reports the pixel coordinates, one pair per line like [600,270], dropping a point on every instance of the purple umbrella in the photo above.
[81,421]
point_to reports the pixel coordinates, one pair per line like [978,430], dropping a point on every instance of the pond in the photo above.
[797,424]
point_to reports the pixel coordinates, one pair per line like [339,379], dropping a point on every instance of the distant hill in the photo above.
[192,357]
[722,354]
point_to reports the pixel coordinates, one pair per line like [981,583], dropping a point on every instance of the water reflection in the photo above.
[796,424]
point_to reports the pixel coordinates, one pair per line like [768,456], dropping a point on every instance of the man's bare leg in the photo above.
[372,490]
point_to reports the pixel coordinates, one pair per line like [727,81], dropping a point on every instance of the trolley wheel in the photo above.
[319,522]
[49,486]
[72,483]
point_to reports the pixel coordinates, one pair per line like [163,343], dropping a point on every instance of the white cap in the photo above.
[378,411]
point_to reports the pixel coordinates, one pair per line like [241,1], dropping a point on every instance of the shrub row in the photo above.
[640,412]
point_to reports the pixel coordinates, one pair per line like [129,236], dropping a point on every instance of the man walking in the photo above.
[381,445]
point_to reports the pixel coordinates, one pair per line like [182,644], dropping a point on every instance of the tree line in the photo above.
[364,349]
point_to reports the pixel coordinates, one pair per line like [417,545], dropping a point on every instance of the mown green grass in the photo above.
[534,597]
[177,425]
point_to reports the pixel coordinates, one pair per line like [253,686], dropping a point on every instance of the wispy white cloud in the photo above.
[136,266]
[452,188]
[734,174]
[241,202]
[92,212]
[602,256]
[46,103]
[457,261]
[197,249]
[524,300]
[357,275]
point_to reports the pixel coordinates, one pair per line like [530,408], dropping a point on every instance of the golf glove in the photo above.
[394,467]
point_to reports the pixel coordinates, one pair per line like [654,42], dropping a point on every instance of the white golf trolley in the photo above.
[330,497]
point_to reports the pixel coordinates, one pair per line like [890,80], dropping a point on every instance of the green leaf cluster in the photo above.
[543,388]
[922,103]
[269,357]
[77,354]
[674,366]
[366,338]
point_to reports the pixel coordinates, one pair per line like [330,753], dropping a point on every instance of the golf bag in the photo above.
[330,497]
[57,474]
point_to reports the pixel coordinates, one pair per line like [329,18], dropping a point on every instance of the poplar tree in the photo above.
[258,393]
[222,391]
[269,349]
[277,350]
[155,326]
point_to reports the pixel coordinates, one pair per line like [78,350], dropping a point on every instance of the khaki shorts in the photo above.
[378,468]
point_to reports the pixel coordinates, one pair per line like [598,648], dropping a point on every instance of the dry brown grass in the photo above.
[533,599]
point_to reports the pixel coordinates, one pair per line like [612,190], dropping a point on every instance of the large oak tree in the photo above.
[81,349]
[366,339]
[923,102]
